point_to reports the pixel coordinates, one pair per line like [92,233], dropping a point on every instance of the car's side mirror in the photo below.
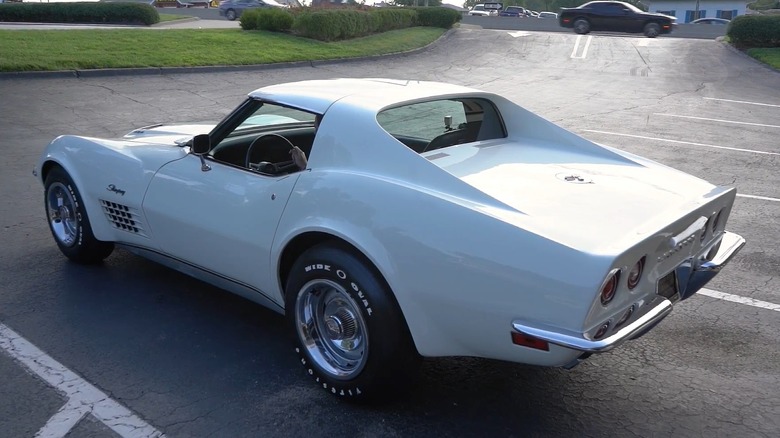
[201,144]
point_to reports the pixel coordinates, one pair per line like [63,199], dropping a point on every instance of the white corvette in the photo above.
[392,220]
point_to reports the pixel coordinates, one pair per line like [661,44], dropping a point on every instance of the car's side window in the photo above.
[431,125]
[262,139]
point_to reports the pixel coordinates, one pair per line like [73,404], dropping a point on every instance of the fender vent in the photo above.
[123,217]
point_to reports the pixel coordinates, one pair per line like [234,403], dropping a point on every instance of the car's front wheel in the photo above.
[230,14]
[349,331]
[68,220]
[652,30]
[581,26]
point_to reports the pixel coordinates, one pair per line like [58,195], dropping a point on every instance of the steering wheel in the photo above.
[265,166]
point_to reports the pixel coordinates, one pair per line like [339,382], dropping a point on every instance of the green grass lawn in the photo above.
[47,50]
[767,56]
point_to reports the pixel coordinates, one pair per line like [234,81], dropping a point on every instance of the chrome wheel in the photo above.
[332,329]
[63,217]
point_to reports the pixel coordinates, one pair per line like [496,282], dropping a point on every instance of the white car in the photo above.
[392,220]
[480,11]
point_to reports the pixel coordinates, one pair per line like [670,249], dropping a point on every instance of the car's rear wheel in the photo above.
[230,14]
[652,30]
[68,220]
[349,331]
[581,26]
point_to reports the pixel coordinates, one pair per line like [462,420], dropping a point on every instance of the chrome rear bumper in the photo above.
[692,275]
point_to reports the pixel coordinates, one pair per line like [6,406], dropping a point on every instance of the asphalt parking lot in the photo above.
[140,350]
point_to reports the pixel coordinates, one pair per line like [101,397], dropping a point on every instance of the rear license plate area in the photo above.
[667,287]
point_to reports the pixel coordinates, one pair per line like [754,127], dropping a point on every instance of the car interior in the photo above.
[267,153]
[427,126]
[263,141]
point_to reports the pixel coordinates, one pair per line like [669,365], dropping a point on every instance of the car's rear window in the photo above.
[426,126]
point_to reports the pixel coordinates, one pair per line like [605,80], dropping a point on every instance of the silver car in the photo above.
[232,9]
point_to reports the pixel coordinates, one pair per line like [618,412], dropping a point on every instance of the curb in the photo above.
[144,71]
[744,55]
[177,21]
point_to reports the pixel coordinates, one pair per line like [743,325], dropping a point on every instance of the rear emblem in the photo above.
[574,178]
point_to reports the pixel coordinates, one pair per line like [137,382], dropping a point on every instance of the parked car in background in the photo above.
[479,11]
[494,8]
[548,15]
[232,9]
[391,220]
[712,21]
[615,17]
[513,11]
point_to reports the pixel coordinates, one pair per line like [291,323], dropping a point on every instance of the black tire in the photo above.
[581,26]
[652,30]
[349,332]
[230,14]
[68,221]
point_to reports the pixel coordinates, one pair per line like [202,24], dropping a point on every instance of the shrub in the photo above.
[248,19]
[387,19]
[274,19]
[345,23]
[755,31]
[437,17]
[114,13]
[331,25]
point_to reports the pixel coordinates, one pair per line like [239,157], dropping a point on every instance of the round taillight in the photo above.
[635,273]
[626,316]
[716,220]
[609,287]
[601,331]
[704,229]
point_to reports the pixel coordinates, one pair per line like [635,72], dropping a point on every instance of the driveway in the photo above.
[186,359]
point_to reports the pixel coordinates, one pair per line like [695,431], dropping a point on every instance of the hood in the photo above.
[580,199]
[669,17]
[168,134]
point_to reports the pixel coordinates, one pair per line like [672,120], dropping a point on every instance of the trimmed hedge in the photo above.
[346,23]
[437,17]
[114,13]
[271,19]
[331,25]
[755,31]
[386,19]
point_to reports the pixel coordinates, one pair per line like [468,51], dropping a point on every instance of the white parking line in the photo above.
[763,198]
[739,299]
[743,101]
[584,53]
[83,398]
[717,120]
[682,142]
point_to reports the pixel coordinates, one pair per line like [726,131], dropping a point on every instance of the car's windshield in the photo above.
[274,115]
[632,7]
